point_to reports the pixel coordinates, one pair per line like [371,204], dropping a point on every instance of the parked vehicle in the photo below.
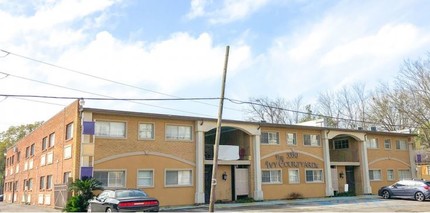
[409,189]
[1,198]
[121,200]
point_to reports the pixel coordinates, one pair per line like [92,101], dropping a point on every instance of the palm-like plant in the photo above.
[84,192]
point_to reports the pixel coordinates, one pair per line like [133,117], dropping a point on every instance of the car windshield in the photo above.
[427,183]
[129,193]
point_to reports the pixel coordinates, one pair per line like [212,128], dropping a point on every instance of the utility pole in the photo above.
[218,135]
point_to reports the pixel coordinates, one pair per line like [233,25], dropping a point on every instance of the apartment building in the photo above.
[171,158]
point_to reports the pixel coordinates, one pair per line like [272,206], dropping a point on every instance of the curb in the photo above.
[269,202]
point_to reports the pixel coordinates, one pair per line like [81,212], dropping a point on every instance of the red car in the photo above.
[123,200]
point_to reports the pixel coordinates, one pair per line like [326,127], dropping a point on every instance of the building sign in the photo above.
[289,160]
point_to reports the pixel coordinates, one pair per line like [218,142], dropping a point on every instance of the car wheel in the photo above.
[386,194]
[89,208]
[419,196]
[108,210]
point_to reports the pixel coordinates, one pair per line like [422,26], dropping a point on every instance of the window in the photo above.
[270,138]
[311,140]
[146,131]
[178,178]
[30,164]
[27,152]
[111,178]
[44,143]
[315,176]
[428,170]
[32,150]
[68,152]
[145,178]
[30,184]
[405,174]
[50,158]
[66,177]
[387,144]
[110,129]
[372,143]
[375,174]
[24,185]
[293,176]
[390,174]
[341,144]
[43,160]
[271,176]
[25,166]
[401,145]
[49,182]
[51,140]
[291,139]
[174,132]
[42,182]
[69,131]
[87,160]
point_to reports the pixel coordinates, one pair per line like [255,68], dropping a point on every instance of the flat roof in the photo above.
[262,124]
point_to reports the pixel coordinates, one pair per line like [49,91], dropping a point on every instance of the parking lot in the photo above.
[334,204]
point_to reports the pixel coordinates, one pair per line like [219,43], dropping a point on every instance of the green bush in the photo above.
[345,194]
[76,204]
[83,193]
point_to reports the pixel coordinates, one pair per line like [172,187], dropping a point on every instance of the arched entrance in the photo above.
[234,156]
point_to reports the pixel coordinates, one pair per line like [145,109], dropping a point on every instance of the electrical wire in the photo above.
[101,78]
[106,96]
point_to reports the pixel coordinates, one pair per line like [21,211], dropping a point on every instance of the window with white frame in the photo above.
[271,176]
[32,150]
[110,129]
[47,199]
[270,138]
[49,182]
[311,140]
[66,177]
[42,160]
[372,143]
[405,174]
[145,178]
[401,145]
[341,144]
[314,175]
[146,131]
[68,152]
[387,144]
[293,176]
[42,182]
[50,158]
[30,164]
[111,178]
[25,166]
[178,178]
[69,131]
[178,132]
[51,141]
[40,199]
[17,168]
[44,143]
[390,174]
[375,174]
[428,170]
[291,139]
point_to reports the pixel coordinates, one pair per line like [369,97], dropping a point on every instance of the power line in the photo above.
[106,99]
[100,78]
[235,101]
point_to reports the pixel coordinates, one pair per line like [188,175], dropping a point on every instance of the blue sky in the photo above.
[278,48]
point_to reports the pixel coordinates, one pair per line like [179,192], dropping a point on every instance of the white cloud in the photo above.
[229,11]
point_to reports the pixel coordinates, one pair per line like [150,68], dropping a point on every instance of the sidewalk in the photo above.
[322,201]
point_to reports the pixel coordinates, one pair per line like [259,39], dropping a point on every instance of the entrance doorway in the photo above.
[350,178]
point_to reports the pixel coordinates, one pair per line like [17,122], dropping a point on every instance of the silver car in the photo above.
[409,189]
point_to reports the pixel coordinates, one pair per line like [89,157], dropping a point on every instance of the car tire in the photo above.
[419,196]
[89,208]
[108,210]
[386,194]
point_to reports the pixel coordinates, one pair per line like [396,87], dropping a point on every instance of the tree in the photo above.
[83,190]
[8,138]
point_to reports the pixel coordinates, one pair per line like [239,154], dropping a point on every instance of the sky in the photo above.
[164,49]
